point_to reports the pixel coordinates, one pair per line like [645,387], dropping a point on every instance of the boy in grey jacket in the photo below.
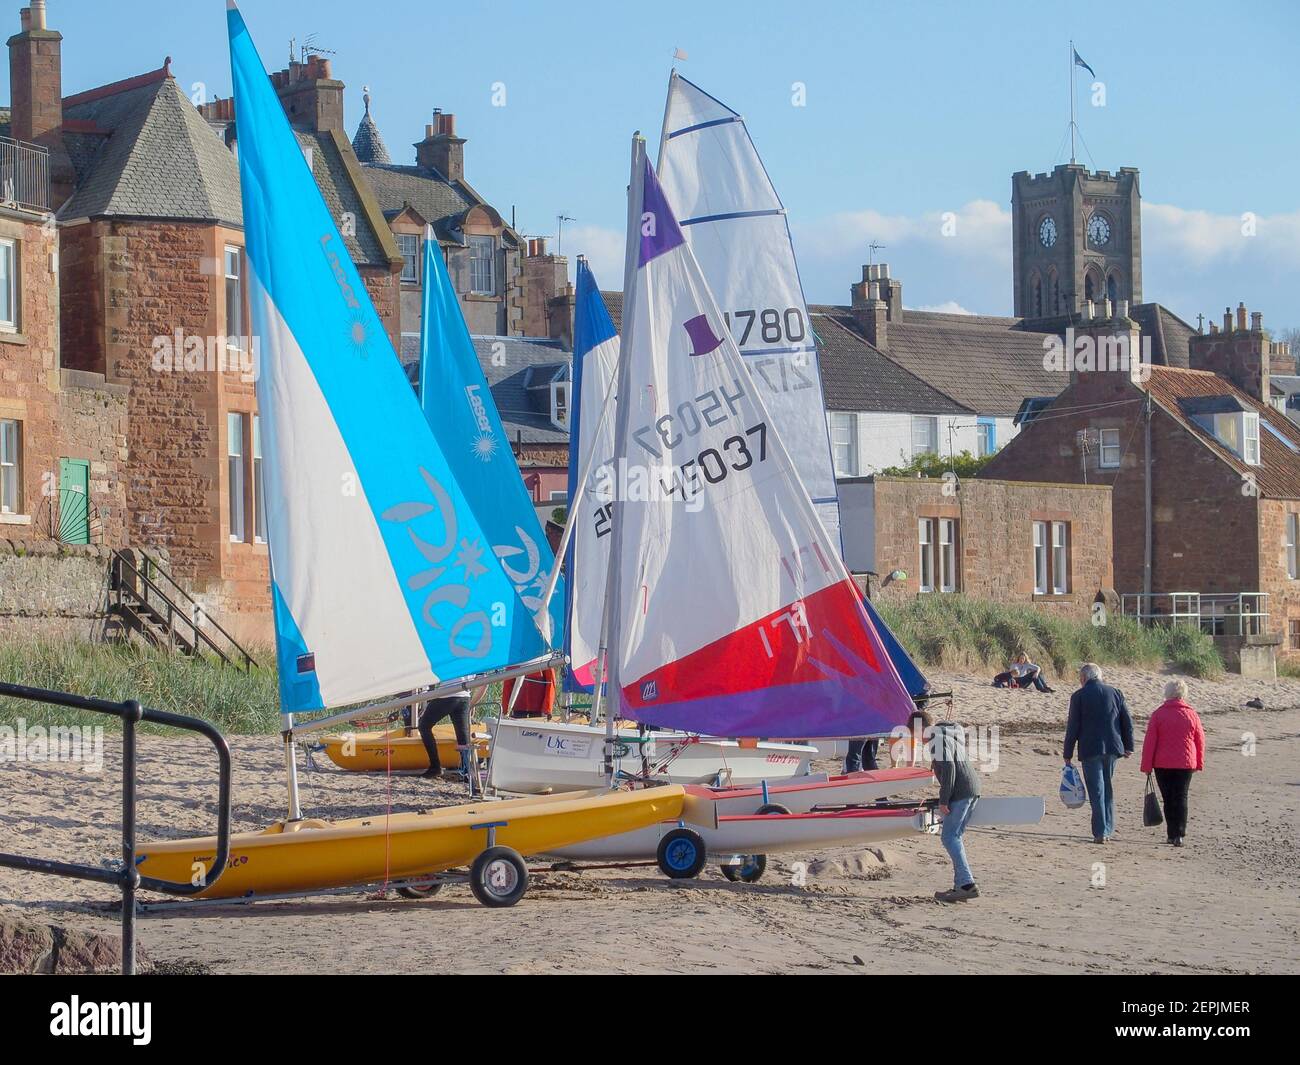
[959,791]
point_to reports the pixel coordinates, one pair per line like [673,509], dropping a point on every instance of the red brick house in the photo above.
[1222,468]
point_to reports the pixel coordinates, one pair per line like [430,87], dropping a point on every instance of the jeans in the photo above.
[862,755]
[954,825]
[1173,790]
[455,706]
[1010,680]
[1097,772]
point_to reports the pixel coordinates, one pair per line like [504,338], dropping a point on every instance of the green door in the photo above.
[74,501]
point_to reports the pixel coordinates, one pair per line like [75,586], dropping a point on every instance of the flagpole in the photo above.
[1072,123]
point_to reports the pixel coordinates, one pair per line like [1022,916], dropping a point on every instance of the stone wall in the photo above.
[995,545]
[46,590]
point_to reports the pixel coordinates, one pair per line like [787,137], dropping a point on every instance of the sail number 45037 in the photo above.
[737,453]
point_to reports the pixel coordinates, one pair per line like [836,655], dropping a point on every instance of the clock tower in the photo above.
[1075,236]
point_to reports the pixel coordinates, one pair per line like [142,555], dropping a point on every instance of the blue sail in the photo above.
[458,404]
[908,671]
[383,577]
[595,359]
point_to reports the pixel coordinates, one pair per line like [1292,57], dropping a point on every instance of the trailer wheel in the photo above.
[771,808]
[498,877]
[420,891]
[747,870]
[681,854]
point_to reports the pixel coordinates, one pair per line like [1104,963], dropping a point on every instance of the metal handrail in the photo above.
[173,612]
[24,175]
[153,563]
[128,878]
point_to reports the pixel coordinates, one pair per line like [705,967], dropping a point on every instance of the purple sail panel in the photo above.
[659,229]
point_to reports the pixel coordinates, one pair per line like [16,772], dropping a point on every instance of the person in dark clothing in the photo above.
[959,791]
[1099,724]
[457,708]
[1023,673]
[862,754]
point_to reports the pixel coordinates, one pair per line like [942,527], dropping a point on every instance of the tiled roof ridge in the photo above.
[163,73]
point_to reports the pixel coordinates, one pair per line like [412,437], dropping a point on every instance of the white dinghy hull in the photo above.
[533,757]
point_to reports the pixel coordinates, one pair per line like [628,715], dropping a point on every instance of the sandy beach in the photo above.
[1052,901]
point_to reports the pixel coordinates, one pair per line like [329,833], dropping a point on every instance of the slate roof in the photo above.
[857,377]
[141,150]
[367,142]
[440,202]
[528,365]
[1170,335]
[1278,473]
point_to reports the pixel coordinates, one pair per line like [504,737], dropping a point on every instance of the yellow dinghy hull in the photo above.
[369,752]
[312,855]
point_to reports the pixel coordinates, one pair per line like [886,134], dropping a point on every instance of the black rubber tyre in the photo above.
[750,869]
[771,808]
[498,877]
[681,854]
[420,891]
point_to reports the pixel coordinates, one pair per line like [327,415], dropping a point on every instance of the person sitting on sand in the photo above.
[959,791]
[1022,673]
[1100,725]
[457,707]
[1174,747]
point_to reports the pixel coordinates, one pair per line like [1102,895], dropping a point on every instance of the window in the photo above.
[9,286]
[235,475]
[1292,537]
[844,443]
[559,497]
[1060,567]
[1051,557]
[482,266]
[1293,630]
[259,488]
[409,245]
[560,404]
[1110,449]
[1089,290]
[1112,289]
[1038,298]
[1250,425]
[925,435]
[938,554]
[234,298]
[10,466]
[1040,558]
[925,534]
[988,436]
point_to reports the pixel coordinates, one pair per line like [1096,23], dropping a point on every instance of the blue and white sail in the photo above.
[735,223]
[383,577]
[595,361]
[459,407]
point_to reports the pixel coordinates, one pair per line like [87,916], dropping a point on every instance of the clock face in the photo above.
[1047,231]
[1098,231]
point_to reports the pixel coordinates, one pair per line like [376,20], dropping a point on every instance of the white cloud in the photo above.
[946,307]
[1203,239]
[603,249]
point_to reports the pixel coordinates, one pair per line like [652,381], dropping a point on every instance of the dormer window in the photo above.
[560,404]
[1229,421]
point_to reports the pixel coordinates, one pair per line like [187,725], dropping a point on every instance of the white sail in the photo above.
[735,224]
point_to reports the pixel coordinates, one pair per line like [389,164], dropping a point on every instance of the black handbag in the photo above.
[1151,813]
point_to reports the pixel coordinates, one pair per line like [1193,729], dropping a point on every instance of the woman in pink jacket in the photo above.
[1174,747]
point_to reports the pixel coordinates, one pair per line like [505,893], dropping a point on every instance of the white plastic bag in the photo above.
[1073,793]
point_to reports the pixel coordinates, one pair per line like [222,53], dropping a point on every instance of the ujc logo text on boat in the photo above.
[77,1018]
[703,338]
[649,690]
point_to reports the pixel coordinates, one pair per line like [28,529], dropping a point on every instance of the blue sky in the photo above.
[913,110]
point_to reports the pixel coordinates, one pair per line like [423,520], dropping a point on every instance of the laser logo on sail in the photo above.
[485,444]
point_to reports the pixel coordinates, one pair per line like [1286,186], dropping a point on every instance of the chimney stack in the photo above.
[441,149]
[1256,322]
[1239,352]
[35,78]
[311,97]
[868,309]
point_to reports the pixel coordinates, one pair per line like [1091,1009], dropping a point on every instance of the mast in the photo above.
[1073,127]
[609,628]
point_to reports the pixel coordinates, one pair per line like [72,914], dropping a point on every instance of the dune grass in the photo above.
[234,701]
[957,633]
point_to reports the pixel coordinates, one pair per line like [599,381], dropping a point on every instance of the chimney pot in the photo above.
[1214,329]
[873,290]
[882,272]
[1256,321]
[1241,317]
[1123,309]
[38,14]
[25,18]
[1227,319]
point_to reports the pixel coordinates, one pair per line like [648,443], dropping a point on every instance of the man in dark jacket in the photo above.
[1099,723]
[959,791]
